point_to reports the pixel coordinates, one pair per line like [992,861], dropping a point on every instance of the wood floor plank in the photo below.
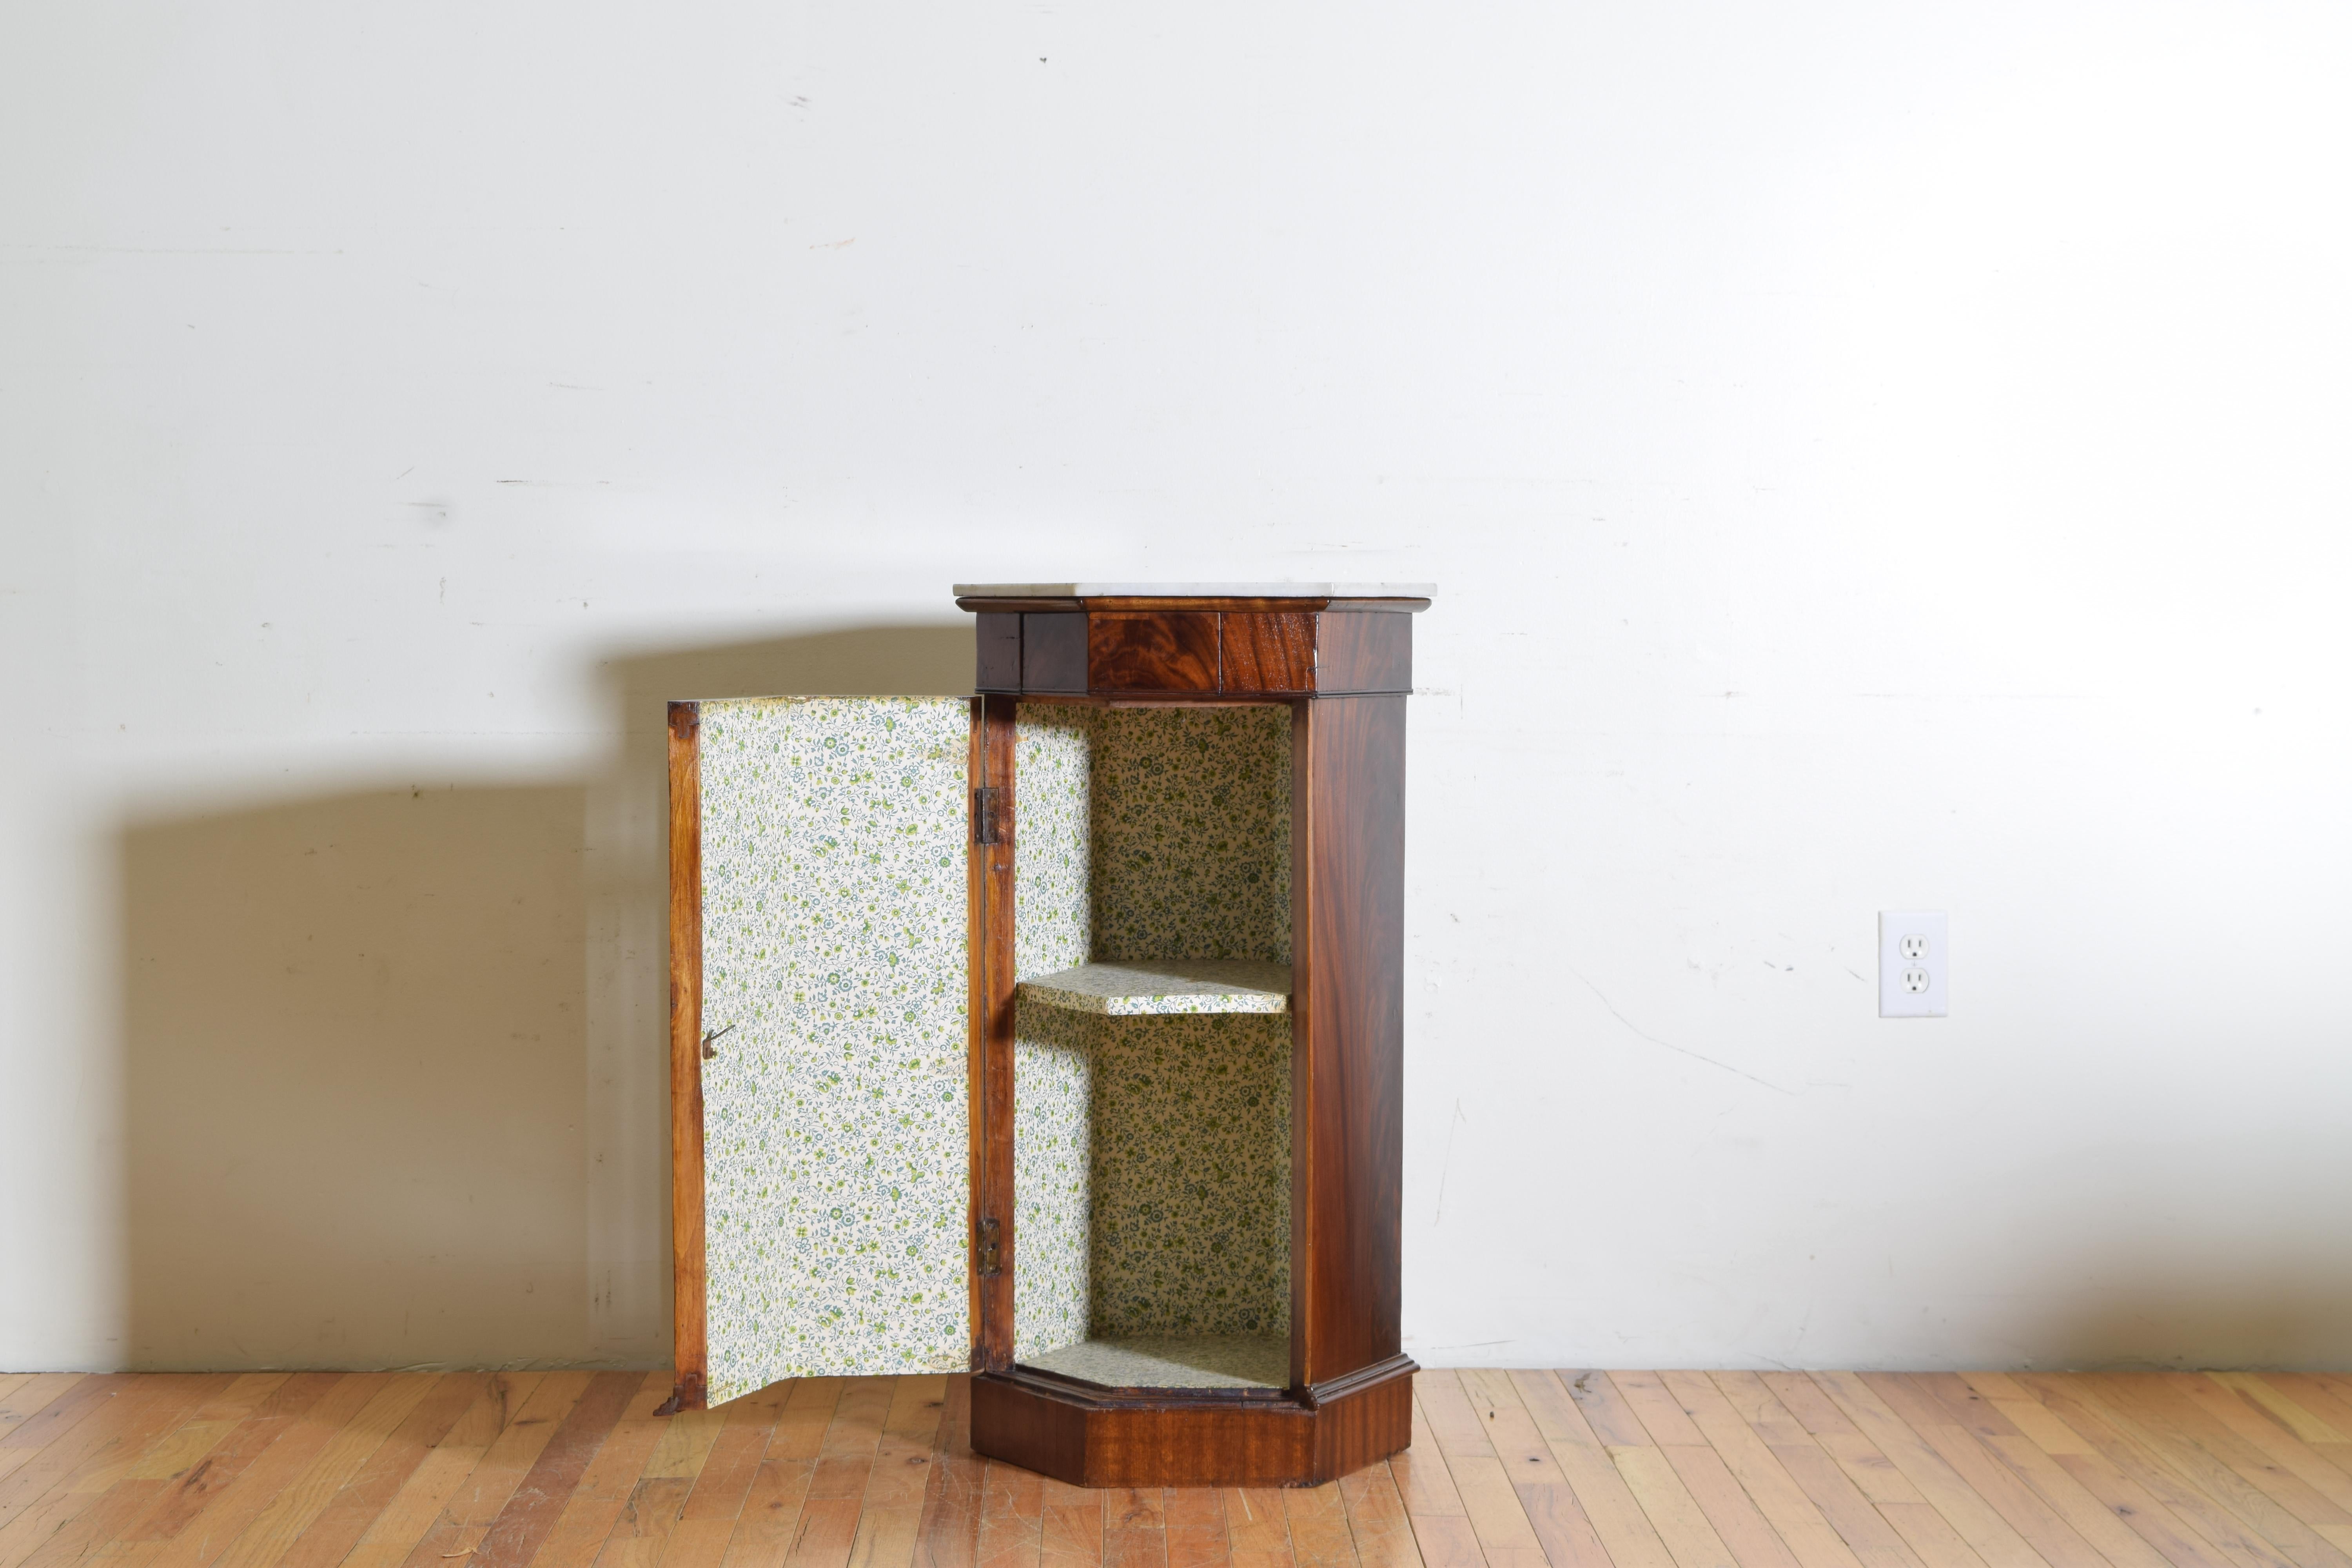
[222,1466]
[1681,1523]
[609,1480]
[2204,1462]
[76,1514]
[1738,1521]
[416,1506]
[1761,1409]
[2305,1405]
[337,1530]
[1869,1534]
[1979,1523]
[1599,1489]
[1421,1476]
[1562,1530]
[901,1473]
[1070,1527]
[1319,1537]
[885,1536]
[1193,1519]
[1509,1469]
[641,1534]
[1497,1522]
[949,1536]
[1837,1460]
[62,1407]
[215,1527]
[1657,1409]
[1505,1538]
[1135,1527]
[1258,1531]
[2121,1450]
[1511,1430]
[300,1501]
[1604,1410]
[2261,1429]
[1984,1473]
[1794,1517]
[1455,1425]
[530,1514]
[1013,1517]
[97,1419]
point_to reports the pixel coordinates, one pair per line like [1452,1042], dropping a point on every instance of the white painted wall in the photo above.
[1874,456]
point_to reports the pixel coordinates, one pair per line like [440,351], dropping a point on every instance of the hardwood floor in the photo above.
[1508,1470]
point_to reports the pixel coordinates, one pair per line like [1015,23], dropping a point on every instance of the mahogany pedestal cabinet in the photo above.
[1056,1032]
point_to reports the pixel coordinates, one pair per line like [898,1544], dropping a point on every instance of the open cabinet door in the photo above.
[819,997]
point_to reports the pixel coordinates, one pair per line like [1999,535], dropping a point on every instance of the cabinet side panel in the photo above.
[690,1357]
[1349,1077]
[836,1003]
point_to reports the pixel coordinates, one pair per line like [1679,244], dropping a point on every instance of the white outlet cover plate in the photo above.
[1897,999]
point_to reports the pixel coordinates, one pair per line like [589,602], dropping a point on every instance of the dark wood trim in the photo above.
[1054,652]
[1306,895]
[689,1295]
[979,604]
[1105,1397]
[1346,1112]
[1339,1388]
[997,647]
[992,1095]
[1189,1441]
[1179,649]
[1189,700]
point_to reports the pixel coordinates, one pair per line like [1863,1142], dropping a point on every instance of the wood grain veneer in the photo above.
[1267,652]
[1053,652]
[992,1004]
[1347,1111]
[1137,1438]
[997,638]
[688,1279]
[1163,651]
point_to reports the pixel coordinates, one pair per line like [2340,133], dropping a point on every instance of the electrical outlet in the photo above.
[1913,955]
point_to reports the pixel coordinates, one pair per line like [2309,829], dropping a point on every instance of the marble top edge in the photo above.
[1195,590]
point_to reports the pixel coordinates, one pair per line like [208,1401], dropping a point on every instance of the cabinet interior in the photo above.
[1151,1144]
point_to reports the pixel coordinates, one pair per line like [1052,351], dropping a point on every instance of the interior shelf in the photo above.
[1168,1360]
[1166,985]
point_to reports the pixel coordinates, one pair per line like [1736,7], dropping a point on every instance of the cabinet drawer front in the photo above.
[1171,651]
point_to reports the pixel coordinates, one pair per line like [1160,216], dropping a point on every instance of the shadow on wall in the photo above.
[395,1059]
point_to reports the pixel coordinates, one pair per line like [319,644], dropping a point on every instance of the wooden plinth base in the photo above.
[1141,1438]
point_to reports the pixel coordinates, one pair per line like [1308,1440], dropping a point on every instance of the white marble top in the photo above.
[1195,590]
[1166,985]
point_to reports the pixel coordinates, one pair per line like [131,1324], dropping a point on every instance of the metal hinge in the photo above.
[991,1248]
[988,816]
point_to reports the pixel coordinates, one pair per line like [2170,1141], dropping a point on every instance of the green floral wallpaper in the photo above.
[1192,824]
[1151,1154]
[835,972]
